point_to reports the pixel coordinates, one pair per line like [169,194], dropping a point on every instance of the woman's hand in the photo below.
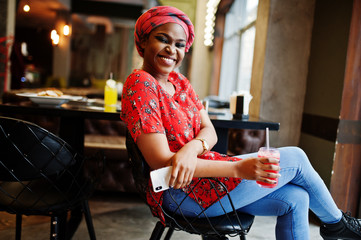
[184,163]
[256,169]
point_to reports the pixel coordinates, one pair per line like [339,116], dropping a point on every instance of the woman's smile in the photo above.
[167,60]
[164,50]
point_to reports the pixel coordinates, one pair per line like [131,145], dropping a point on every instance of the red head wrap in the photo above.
[160,15]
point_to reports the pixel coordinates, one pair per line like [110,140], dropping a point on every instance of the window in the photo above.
[238,48]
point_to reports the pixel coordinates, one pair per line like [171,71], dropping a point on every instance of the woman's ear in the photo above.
[143,42]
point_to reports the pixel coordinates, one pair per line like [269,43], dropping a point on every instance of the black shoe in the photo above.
[347,228]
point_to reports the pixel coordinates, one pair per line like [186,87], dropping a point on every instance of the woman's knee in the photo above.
[293,154]
[290,200]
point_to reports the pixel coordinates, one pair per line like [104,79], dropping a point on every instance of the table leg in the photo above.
[72,131]
[222,144]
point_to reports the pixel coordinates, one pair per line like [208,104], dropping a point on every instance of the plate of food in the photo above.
[50,97]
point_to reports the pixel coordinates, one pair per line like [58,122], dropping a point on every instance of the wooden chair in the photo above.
[40,174]
[210,228]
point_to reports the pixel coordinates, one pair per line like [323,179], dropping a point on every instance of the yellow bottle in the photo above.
[110,95]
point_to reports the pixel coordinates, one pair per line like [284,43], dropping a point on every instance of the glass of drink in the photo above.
[110,95]
[269,153]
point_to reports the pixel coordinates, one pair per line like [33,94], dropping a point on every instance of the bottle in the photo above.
[110,95]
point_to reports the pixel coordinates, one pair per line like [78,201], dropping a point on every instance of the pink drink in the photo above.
[269,153]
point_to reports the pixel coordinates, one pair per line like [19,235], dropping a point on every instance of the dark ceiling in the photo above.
[43,13]
[107,8]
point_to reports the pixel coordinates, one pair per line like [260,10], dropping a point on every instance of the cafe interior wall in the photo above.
[7,32]
[280,66]
[100,52]
[201,62]
[298,73]
[3,33]
[325,83]
[89,53]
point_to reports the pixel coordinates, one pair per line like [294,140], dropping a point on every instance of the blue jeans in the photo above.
[299,188]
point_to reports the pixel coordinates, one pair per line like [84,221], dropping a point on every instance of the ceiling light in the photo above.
[212,6]
[26,8]
[66,30]
[54,37]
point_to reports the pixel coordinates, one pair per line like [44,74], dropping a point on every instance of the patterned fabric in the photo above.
[148,107]
[158,16]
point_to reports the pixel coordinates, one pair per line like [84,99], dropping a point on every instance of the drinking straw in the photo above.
[267,138]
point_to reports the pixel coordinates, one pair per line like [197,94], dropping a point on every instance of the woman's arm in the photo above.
[184,162]
[207,131]
[155,149]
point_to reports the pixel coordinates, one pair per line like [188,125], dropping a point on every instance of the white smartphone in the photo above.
[160,178]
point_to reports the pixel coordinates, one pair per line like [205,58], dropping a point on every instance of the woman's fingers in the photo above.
[270,175]
[180,179]
[269,170]
[186,180]
[270,164]
[173,177]
[265,160]
[267,180]
[272,167]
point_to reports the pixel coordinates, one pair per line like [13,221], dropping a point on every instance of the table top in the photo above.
[95,110]
[222,118]
[91,110]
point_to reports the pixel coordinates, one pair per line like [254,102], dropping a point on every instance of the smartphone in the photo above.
[160,178]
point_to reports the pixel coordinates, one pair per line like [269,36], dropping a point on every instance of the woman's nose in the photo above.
[170,49]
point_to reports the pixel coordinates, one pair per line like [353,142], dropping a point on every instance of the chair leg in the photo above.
[18,226]
[242,237]
[169,234]
[157,231]
[88,219]
[54,228]
[74,221]
[58,227]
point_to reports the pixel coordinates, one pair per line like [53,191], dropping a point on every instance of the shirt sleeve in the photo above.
[192,94]
[140,105]
[190,91]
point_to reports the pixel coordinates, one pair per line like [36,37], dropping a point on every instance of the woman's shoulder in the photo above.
[139,79]
[179,78]
[140,76]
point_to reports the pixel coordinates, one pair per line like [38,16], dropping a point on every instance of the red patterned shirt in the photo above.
[148,107]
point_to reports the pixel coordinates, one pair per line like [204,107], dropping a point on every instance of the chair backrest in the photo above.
[140,168]
[29,151]
[38,170]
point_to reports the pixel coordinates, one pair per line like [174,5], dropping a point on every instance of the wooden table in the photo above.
[73,114]
[223,124]
[72,117]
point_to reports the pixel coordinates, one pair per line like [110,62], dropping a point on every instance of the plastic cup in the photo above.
[269,153]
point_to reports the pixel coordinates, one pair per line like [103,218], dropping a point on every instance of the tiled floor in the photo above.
[120,217]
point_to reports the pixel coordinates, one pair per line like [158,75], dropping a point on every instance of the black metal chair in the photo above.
[234,223]
[40,174]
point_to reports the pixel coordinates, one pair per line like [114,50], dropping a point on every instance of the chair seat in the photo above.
[225,224]
[38,197]
[41,174]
